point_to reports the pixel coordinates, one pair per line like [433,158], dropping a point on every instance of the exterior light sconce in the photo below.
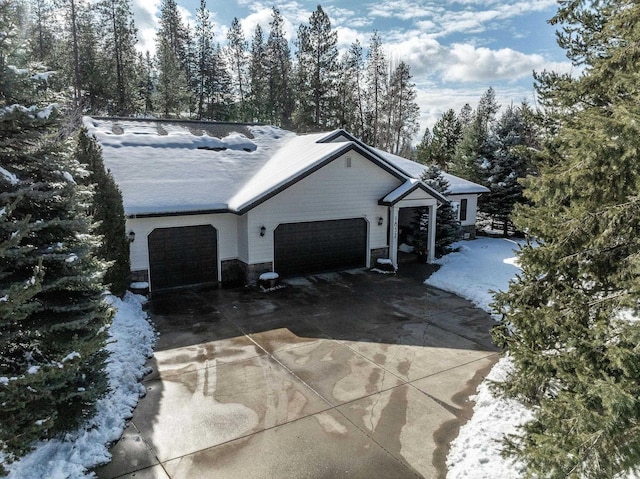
[380,221]
[263,230]
[132,236]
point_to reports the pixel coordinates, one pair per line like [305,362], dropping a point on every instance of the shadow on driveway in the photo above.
[347,374]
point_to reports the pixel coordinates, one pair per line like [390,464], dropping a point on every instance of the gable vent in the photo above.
[347,162]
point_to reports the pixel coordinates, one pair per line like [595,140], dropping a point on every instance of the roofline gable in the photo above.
[417,185]
[338,133]
[350,146]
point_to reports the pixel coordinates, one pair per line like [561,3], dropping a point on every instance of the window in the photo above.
[463,209]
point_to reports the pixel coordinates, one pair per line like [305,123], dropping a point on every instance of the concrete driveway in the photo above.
[341,375]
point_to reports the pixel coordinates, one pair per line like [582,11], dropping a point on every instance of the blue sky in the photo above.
[456,49]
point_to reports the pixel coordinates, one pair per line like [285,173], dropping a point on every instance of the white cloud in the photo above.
[403,9]
[144,12]
[346,36]
[433,18]
[467,63]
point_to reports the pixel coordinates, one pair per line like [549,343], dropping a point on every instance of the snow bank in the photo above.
[475,453]
[130,343]
[480,266]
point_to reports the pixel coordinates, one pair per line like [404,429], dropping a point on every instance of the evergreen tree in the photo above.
[171,91]
[576,361]
[258,81]
[401,112]
[52,316]
[92,65]
[447,133]
[108,212]
[422,148]
[515,142]
[278,69]
[317,69]
[42,38]
[172,30]
[119,39]
[237,57]
[221,100]
[465,116]
[447,224]
[475,149]
[147,82]
[349,101]
[376,87]
[204,58]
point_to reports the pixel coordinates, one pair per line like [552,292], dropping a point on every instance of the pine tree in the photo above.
[204,58]
[447,224]
[350,101]
[422,148]
[400,113]
[278,69]
[317,69]
[576,362]
[475,149]
[52,315]
[515,144]
[221,100]
[147,84]
[108,212]
[447,133]
[171,91]
[119,39]
[258,82]
[237,57]
[172,30]
[376,87]
[42,38]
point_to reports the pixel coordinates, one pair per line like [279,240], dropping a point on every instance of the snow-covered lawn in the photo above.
[478,267]
[130,343]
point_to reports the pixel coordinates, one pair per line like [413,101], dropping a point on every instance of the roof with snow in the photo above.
[166,167]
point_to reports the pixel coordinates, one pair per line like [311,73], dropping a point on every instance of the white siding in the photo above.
[333,192]
[225,224]
[472,207]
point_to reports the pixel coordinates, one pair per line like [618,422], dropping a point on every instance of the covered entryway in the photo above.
[316,246]
[183,256]
[409,196]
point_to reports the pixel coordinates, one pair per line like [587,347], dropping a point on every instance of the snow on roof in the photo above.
[171,166]
[164,167]
[400,191]
[296,157]
[457,185]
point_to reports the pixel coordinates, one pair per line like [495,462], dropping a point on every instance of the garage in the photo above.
[183,256]
[317,246]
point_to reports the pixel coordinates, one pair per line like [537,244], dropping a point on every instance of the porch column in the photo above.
[431,253]
[393,243]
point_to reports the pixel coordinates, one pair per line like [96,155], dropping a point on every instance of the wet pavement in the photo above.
[349,374]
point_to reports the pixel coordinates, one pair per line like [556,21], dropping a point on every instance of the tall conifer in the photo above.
[576,359]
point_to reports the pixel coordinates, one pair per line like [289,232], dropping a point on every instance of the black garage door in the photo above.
[302,248]
[183,256]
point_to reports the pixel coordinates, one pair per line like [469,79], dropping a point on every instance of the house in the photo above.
[222,203]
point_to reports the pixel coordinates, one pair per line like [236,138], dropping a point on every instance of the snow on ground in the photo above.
[130,343]
[478,267]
